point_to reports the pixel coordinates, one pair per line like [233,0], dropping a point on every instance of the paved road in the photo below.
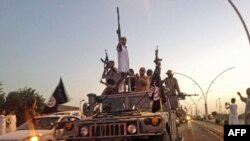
[195,131]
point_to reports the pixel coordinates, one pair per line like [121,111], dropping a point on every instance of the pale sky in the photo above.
[41,41]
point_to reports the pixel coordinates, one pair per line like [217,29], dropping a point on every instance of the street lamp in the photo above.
[205,94]
[206,110]
[196,104]
[191,110]
[188,105]
[242,21]
[220,108]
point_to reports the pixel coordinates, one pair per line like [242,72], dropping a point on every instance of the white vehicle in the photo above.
[44,127]
[73,113]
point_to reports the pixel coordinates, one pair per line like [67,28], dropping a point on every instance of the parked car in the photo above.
[43,129]
[74,113]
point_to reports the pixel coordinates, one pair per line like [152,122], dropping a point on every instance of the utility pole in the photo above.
[220,108]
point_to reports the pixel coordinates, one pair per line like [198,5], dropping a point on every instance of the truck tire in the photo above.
[164,137]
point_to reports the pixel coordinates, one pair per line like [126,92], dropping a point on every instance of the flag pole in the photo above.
[161,109]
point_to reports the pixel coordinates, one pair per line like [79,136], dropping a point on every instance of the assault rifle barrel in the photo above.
[118,31]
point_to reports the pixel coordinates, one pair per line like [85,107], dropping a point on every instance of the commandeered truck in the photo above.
[116,117]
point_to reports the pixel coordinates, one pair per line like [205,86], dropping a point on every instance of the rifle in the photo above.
[157,59]
[118,31]
[106,59]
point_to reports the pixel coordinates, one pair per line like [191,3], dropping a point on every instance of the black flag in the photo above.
[156,90]
[58,97]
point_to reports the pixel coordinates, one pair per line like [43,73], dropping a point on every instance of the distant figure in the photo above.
[2,122]
[172,86]
[111,77]
[8,121]
[30,111]
[233,116]
[247,108]
[142,82]
[123,61]
[13,120]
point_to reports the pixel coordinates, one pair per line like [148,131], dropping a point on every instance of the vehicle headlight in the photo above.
[188,117]
[131,128]
[32,138]
[84,131]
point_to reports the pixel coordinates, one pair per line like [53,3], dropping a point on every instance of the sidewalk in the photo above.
[215,128]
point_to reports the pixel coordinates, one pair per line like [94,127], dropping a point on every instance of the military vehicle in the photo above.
[125,116]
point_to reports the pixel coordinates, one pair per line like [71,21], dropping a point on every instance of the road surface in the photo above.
[193,131]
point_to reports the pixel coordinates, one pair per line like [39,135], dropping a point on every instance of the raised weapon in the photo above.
[118,31]
[157,59]
[106,60]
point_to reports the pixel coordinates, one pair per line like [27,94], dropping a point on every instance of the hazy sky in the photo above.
[41,41]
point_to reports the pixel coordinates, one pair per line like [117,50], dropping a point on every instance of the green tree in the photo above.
[22,99]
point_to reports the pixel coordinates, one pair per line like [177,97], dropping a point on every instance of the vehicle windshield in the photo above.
[140,103]
[127,102]
[40,123]
[114,104]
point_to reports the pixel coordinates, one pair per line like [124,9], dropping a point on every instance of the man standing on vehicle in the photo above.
[142,82]
[110,74]
[172,85]
[123,61]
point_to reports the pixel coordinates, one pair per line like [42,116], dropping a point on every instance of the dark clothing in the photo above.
[172,85]
[112,79]
[132,82]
